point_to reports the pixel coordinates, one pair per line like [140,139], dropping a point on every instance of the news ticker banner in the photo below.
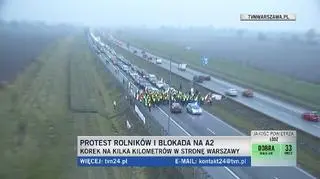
[268,17]
[262,148]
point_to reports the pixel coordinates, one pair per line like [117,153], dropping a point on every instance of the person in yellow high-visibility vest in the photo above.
[149,105]
[114,105]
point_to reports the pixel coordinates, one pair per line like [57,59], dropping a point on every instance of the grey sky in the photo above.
[153,13]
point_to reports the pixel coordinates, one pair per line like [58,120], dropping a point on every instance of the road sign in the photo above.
[204,60]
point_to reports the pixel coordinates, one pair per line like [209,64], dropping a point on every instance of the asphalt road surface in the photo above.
[206,125]
[274,108]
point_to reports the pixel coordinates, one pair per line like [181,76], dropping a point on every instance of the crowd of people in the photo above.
[150,98]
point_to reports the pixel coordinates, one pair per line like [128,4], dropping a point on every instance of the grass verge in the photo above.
[63,94]
[241,117]
[289,89]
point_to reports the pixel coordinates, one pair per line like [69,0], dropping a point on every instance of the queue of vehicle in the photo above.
[154,91]
[150,83]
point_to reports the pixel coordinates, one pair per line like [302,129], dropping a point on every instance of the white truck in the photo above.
[160,84]
[158,61]
[182,67]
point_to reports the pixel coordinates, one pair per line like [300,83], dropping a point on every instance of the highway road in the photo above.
[207,125]
[274,108]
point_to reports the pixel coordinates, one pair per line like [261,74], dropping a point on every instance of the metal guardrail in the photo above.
[153,126]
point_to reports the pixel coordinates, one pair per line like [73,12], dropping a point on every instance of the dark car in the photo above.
[247,93]
[207,78]
[198,79]
[311,116]
[142,83]
[176,108]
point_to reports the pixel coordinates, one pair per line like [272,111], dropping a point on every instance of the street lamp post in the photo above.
[169,116]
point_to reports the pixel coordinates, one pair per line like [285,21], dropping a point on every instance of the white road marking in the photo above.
[236,130]
[211,131]
[306,173]
[275,178]
[316,126]
[258,103]
[267,99]
[174,122]
[230,171]
[224,123]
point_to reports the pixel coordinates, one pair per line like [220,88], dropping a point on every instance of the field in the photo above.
[64,93]
[20,45]
[240,116]
[277,69]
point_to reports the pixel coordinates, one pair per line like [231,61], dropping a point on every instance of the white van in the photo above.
[152,77]
[182,67]
[158,61]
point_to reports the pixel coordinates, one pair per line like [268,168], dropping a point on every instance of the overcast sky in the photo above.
[153,13]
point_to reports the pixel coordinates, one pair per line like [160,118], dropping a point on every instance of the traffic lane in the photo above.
[289,118]
[258,95]
[222,172]
[263,98]
[225,173]
[161,114]
[286,115]
[155,112]
[298,172]
[254,172]
[273,110]
[204,125]
[260,105]
[163,110]
[195,122]
[251,102]
[163,118]
[221,87]
[183,119]
[283,114]
[275,172]
[176,130]
[281,103]
[256,103]
[226,85]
